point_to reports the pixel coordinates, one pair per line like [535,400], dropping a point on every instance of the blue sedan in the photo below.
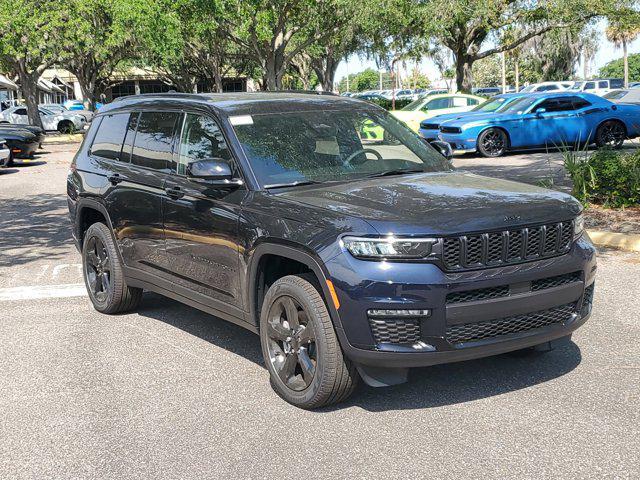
[543,120]
[430,128]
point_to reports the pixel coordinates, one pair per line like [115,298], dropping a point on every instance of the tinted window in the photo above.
[201,139]
[153,143]
[616,83]
[547,88]
[580,103]
[125,156]
[556,105]
[590,85]
[603,84]
[21,111]
[108,140]
[472,101]
[437,104]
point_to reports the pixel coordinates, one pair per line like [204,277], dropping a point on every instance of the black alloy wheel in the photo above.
[300,347]
[291,343]
[492,142]
[104,273]
[98,270]
[611,134]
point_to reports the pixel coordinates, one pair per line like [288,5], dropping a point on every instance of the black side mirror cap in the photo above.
[213,171]
[443,148]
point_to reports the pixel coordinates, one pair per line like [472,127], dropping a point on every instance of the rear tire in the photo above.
[492,143]
[611,133]
[103,273]
[306,365]
[66,126]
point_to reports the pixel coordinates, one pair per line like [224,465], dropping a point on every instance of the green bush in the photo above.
[386,104]
[606,177]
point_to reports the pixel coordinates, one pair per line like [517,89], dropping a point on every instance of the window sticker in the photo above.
[241,120]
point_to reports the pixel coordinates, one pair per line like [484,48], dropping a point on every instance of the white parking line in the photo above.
[35,292]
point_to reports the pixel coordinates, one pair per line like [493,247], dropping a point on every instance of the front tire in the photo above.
[300,347]
[103,273]
[611,133]
[492,143]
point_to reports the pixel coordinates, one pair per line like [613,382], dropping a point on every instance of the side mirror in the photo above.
[443,148]
[540,111]
[214,171]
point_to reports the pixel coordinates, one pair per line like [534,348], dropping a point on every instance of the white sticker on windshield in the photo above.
[241,120]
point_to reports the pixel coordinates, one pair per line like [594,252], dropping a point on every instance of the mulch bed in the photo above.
[621,221]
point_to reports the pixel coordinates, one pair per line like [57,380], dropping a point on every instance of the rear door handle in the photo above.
[174,192]
[115,178]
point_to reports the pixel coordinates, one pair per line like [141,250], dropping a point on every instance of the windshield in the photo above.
[415,105]
[331,145]
[616,94]
[520,105]
[492,105]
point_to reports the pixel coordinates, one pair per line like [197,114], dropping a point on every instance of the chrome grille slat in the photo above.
[481,250]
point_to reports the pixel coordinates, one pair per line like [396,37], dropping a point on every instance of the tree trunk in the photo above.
[625,56]
[88,89]
[29,86]
[464,75]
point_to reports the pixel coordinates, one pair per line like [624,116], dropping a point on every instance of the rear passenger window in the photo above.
[590,85]
[153,143]
[201,140]
[108,140]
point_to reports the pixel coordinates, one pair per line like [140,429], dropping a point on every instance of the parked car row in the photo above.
[524,121]
[398,94]
[21,141]
[63,122]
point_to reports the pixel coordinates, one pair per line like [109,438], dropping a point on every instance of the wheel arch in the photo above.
[298,254]
[88,210]
[613,119]
[497,127]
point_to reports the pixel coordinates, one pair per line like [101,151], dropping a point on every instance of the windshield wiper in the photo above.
[292,184]
[397,171]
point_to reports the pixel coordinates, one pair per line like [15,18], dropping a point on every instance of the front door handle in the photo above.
[115,178]
[174,192]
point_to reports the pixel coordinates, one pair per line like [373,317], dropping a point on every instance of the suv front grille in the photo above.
[503,326]
[478,294]
[556,281]
[507,247]
[395,330]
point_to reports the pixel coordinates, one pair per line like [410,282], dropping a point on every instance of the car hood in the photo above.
[17,134]
[445,117]
[480,119]
[439,203]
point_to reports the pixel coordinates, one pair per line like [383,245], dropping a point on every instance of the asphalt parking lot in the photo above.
[170,392]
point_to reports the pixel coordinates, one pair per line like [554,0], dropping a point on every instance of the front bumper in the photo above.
[458,143]
[381,285]
[5,154]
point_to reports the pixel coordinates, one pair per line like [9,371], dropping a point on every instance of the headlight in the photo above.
[578,226]
[389,247]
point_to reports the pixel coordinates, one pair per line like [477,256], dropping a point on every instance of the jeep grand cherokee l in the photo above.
[327,227]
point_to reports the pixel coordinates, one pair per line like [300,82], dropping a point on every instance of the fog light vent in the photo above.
[395,330]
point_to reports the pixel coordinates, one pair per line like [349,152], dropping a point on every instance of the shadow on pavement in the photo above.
[32,224]
[6,171]
[427,387]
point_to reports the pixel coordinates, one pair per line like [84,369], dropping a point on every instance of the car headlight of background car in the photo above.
[389,247]
[578,226]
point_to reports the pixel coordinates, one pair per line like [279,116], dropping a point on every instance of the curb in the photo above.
[623,241]
[58,139]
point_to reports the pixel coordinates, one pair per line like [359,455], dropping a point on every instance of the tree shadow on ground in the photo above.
[34,226]
[427,387]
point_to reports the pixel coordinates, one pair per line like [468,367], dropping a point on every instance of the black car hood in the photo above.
[439,203]
[17,134]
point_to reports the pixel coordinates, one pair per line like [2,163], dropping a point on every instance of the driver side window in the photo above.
[201,139]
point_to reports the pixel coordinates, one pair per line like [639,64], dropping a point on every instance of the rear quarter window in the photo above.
[153,144]
[108,140]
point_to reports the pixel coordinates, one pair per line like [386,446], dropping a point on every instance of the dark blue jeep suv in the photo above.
[328,228]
